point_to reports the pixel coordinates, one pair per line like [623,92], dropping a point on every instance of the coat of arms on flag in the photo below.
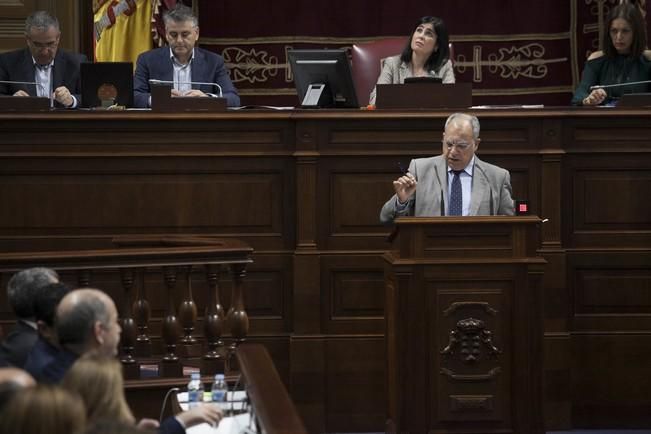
[125,28]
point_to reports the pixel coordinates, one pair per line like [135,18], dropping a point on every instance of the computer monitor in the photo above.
[106,83]
[323,78]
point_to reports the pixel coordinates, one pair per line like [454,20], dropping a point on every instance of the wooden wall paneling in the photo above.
[147,195]
[610,381]
[70,17]
[379,134]
[352,294]
[308,382]
[12,21]
[353,190]
[607,200]
[611,290]
[354,383]
[611,329]
[304,189]
[557,387]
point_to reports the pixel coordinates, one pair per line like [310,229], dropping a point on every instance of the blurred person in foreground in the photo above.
[99,381]
[21,290]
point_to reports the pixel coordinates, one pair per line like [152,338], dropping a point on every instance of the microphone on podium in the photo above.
[631,83]
[34,83]
[155,81]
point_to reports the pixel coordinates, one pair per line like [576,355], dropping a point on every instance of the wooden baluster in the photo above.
[130,366]
[142,313]
[213,360]
[188,315]
[170,366]
[83,278]
[237,318]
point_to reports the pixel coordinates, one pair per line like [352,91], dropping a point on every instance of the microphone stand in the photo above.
[155,81]
[607,86]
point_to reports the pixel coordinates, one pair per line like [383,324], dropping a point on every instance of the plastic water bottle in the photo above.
[219,389]
[195,390]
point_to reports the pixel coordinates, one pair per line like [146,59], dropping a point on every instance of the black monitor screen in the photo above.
[323,78]
[106,83]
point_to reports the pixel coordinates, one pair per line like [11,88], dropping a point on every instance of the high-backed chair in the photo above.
[367,60]
[367,63]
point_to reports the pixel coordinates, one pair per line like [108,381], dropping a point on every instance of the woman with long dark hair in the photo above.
[426,54]
[623,59]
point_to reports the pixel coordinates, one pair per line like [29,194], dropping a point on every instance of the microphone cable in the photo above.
[167,395]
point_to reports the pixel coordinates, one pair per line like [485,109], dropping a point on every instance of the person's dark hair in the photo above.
[22,288]
[441,54]
[46,300]
[180,13]
[42,21]
[75,325]
[633,17]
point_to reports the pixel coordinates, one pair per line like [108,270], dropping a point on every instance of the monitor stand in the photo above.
[162,101]
[317,95]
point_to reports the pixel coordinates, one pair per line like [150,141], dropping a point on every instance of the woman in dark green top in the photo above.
[623,59]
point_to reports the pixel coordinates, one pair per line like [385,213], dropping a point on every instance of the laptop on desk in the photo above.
[106,83]
[423,94]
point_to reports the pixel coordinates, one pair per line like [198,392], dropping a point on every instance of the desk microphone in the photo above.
[35,83]
[606,86]
[155,81]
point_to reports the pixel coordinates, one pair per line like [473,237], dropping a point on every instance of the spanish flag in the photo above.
[122,29]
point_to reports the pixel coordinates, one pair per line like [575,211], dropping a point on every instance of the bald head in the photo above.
[17,377]
[87,321]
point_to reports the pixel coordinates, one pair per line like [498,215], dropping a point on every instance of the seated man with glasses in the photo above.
[41,69]
[456,183]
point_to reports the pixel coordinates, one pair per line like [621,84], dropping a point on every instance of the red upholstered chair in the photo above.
[367,61]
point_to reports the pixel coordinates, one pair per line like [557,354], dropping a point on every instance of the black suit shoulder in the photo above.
[69,56]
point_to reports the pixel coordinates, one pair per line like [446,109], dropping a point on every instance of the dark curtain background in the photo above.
[524,52]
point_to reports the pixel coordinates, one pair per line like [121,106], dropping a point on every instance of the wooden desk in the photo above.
[304,189]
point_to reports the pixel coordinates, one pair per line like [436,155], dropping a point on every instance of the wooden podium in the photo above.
[464,328]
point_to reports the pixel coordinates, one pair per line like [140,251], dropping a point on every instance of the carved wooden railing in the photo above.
[170,257]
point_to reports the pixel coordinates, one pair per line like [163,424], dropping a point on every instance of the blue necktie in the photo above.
[456,194]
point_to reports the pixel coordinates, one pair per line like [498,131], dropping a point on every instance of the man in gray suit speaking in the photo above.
[456,183]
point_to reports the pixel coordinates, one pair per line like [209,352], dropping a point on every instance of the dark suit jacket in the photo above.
[56,369]
[207,67]
[42,354]
[16,346]
[491,191]
[19,66]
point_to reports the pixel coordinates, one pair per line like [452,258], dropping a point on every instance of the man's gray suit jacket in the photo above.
[491,191]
